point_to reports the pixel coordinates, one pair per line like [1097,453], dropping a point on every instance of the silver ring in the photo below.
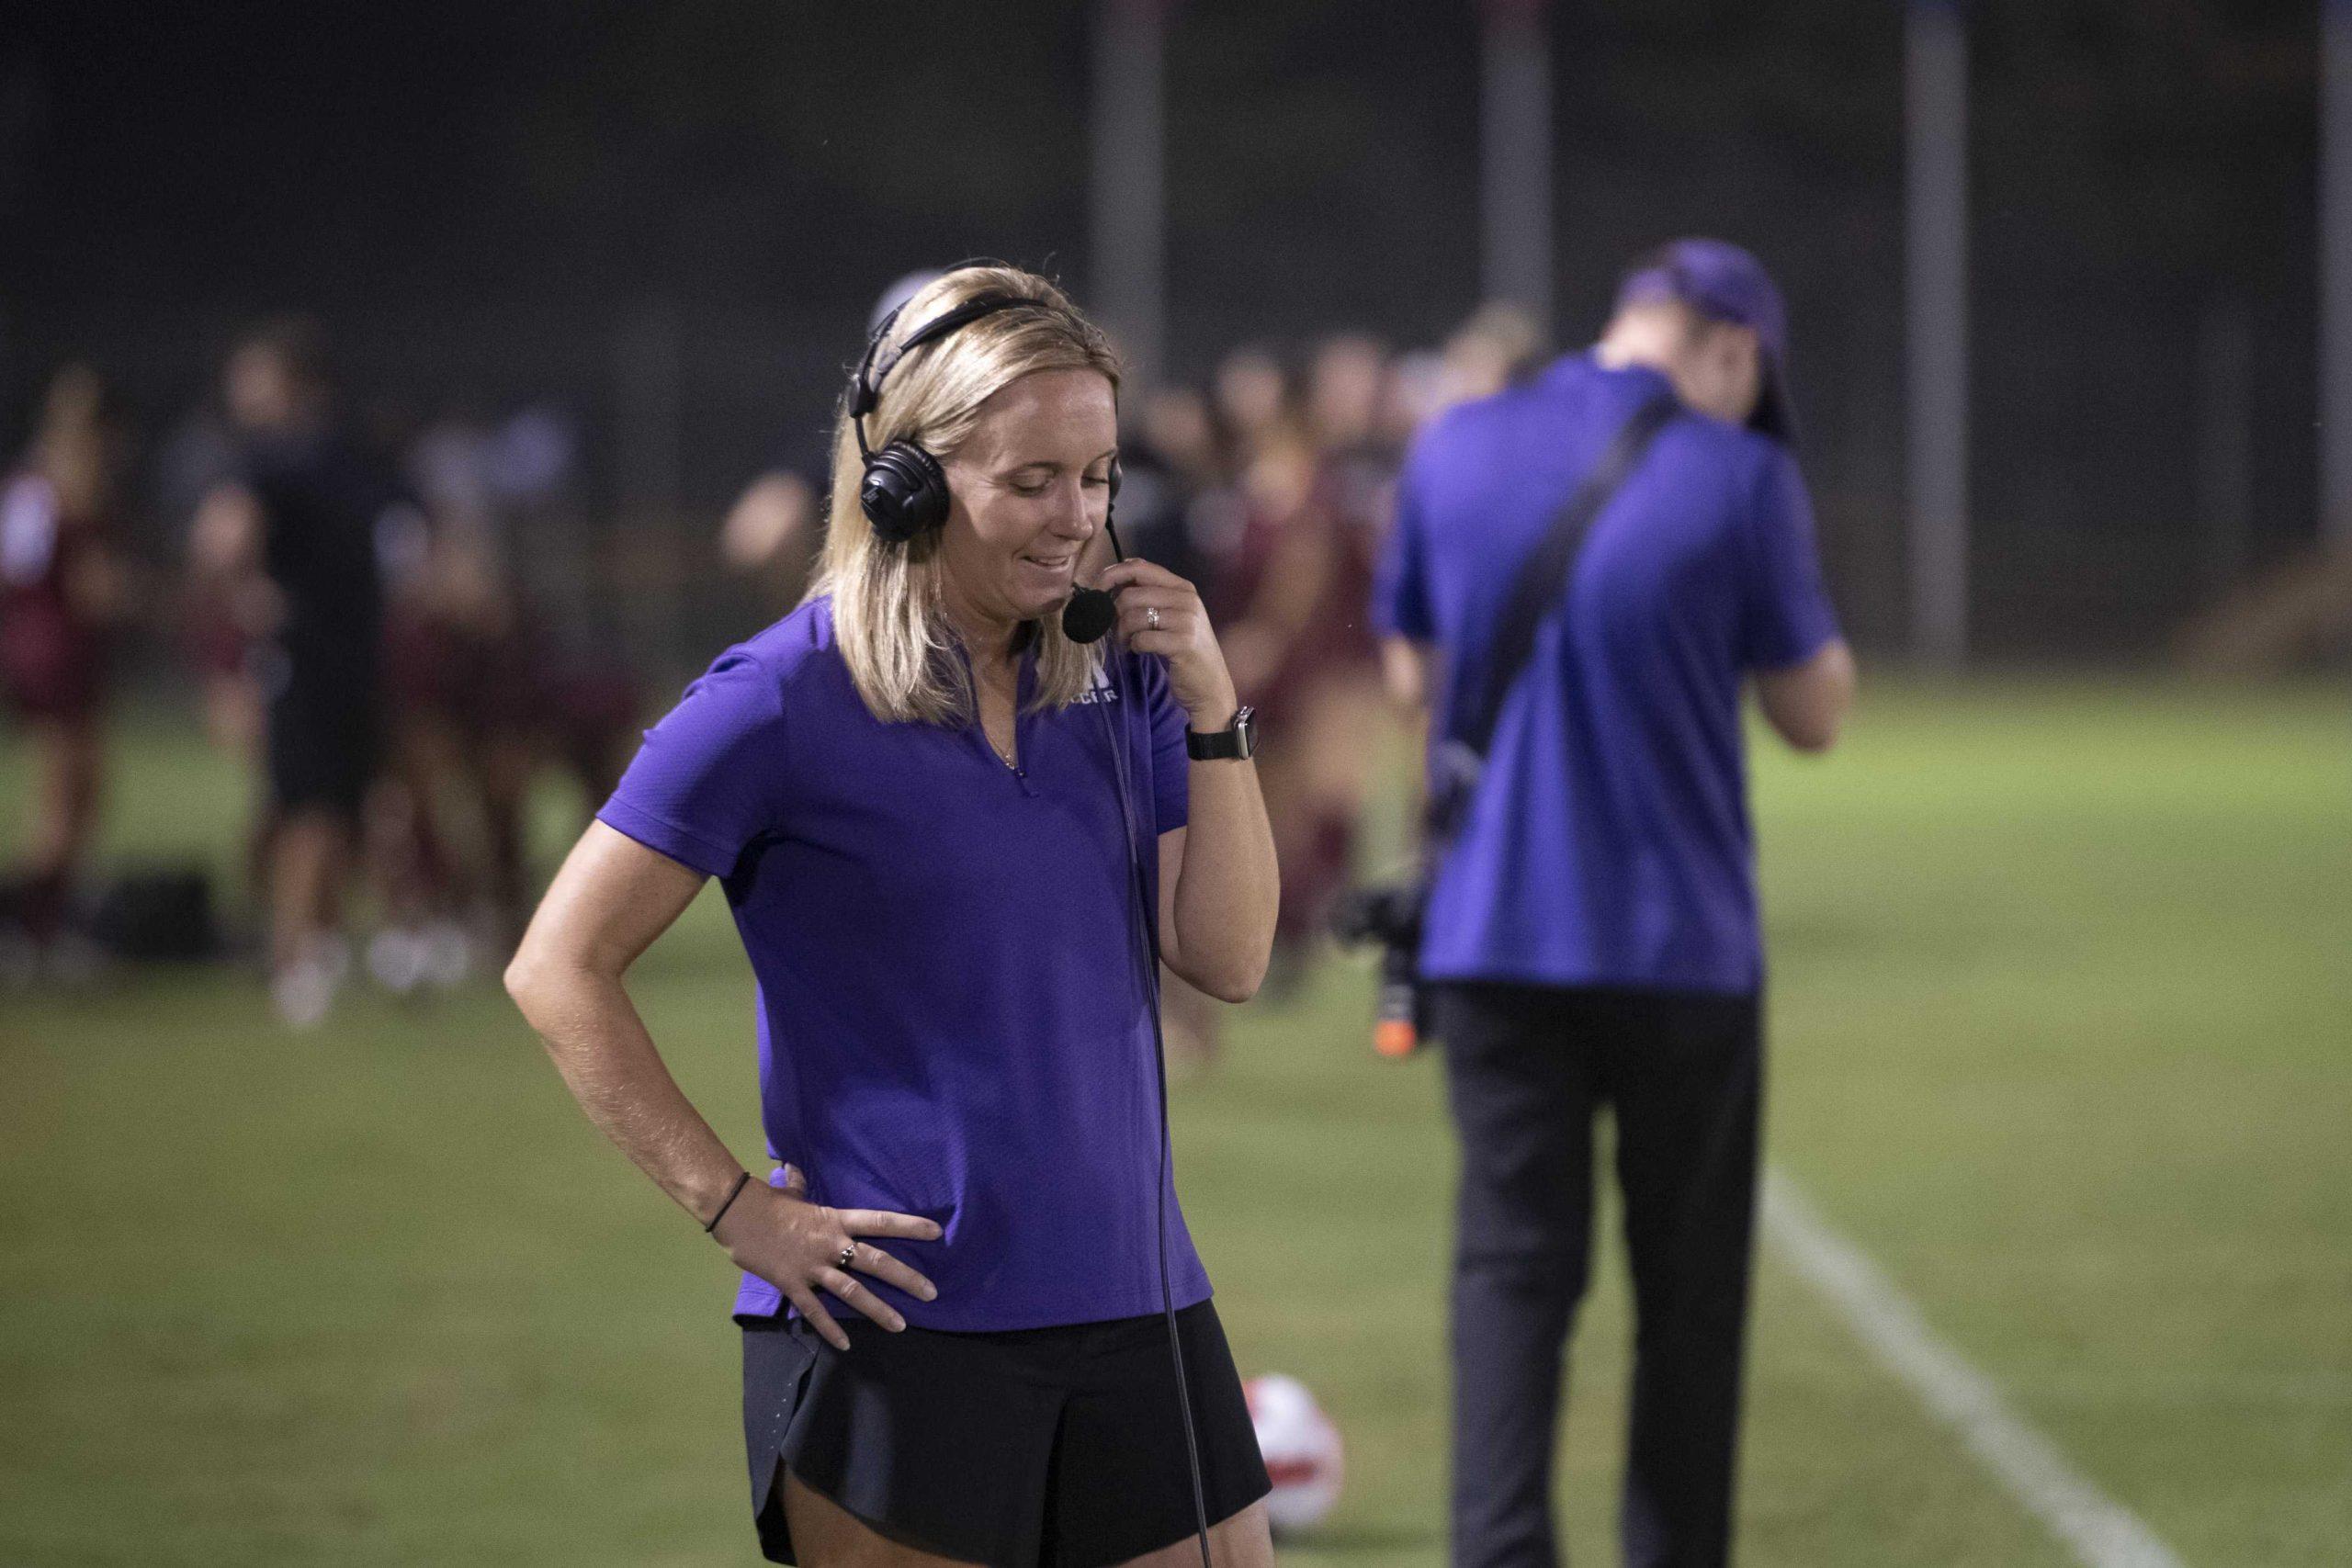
[848,1254]
[1151,616]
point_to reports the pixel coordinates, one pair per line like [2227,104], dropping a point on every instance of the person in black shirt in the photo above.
[302,517]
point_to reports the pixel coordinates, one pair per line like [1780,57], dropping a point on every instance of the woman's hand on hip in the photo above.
[800,1248]
[1160,612]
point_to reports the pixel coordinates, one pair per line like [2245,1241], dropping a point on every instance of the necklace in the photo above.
[1009,760]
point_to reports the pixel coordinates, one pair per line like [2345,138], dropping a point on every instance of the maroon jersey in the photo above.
[53,652]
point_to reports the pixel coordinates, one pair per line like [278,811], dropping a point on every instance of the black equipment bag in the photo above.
[157,913]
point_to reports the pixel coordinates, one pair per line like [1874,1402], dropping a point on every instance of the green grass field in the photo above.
[2061,1035]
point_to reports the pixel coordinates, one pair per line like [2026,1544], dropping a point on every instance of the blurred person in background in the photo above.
[771,535]
[1250,397]
[302,519]
[221,604]
[199,456]
[64,589]
[592,722]
[443,602]
[1249,408]
[458,718]
[1348,397]
[1410,396]
[465,707]
[1499,345]
[906,787]
[484,695]
[1316,494]
[1592,935]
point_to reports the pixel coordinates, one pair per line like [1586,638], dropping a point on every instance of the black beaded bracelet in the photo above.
[732,1193]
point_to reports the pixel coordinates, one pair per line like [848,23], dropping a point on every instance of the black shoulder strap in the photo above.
[1543,581]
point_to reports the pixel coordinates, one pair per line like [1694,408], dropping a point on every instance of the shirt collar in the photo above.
[1643,378]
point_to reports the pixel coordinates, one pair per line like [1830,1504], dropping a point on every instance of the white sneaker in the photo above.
[302,992]
[396,957]
[448,954]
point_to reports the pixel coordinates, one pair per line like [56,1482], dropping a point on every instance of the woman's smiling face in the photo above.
[1029,488]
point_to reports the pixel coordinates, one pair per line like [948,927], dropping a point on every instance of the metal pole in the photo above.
[2335,272]
[1937,269]
[1130,194]
[1515,148]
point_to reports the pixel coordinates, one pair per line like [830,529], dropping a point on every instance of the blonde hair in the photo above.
[887,616]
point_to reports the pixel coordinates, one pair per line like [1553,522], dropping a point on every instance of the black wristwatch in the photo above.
[1236,741]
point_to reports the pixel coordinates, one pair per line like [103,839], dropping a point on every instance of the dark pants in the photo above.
[1527,1067]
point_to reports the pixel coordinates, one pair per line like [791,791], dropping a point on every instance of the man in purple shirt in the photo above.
[1592,934]
[953,836]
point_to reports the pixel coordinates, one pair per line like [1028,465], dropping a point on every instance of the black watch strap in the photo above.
[1235,741]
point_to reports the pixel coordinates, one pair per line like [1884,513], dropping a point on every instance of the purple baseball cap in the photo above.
[1723,283]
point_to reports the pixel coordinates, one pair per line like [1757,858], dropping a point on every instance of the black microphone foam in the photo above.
[1088,615]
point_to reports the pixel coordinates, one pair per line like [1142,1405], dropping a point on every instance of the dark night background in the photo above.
[505,200]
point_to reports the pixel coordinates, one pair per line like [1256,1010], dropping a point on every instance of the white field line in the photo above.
[2101,1531]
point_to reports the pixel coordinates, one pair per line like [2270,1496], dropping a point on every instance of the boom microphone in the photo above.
[1088,615]
[1092,610]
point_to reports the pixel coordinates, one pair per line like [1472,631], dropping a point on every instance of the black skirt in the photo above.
[1058,1447]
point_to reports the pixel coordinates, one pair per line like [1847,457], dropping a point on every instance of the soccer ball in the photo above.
[1302,1451]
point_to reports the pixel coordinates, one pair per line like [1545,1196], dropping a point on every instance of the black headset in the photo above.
[903,489]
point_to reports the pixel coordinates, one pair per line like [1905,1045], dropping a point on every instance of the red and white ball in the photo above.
[1302,1449]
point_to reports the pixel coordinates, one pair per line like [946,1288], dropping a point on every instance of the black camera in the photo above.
[1389,916]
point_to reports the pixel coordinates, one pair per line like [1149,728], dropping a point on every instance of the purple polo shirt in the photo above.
[1608,842]
[952,1023]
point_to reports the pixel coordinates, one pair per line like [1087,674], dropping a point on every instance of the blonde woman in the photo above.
[937,818]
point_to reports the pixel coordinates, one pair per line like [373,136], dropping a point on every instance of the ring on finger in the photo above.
[1151,617]
[849,1255]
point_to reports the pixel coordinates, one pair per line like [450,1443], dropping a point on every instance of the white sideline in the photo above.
[2101,1531]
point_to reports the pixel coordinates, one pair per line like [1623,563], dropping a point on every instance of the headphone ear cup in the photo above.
[904,493]
[1115,476]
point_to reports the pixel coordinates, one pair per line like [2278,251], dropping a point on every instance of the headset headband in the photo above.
[867,390]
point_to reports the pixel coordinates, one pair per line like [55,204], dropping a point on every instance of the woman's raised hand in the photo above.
[1160,612]
[799,1246]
